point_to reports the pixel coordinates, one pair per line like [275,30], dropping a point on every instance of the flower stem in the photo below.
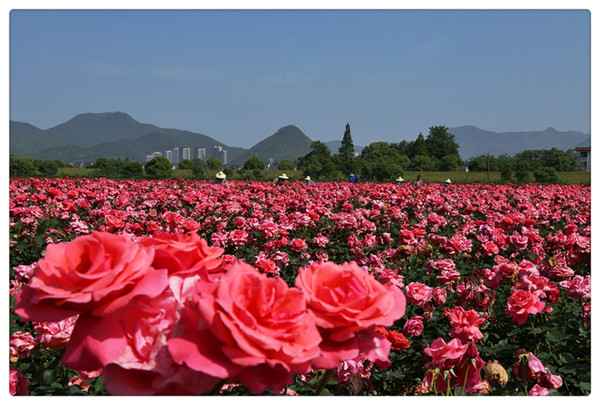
[323,382]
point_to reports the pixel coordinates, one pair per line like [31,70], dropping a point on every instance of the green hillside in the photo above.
[288,142]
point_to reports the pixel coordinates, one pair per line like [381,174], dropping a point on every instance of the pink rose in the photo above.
[55,335]
[537,391]
[248,327]
[439,296]
[238,237]
[297,245]
[265,265]
[178,252]
[528,366]
[95,273]
[414,326]
[18,383]
[21,345]
[418,294]
[523,303]
[348,304]
[465,324]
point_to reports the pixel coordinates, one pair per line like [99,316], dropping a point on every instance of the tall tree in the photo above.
[417,147]
[346,152]
[441,143]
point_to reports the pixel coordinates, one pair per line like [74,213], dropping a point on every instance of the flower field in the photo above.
[181,287]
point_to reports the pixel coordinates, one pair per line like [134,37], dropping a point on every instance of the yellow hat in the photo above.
[220,175]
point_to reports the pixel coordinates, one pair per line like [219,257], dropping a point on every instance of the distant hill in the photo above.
[89,136]
[288,142]
[473,141]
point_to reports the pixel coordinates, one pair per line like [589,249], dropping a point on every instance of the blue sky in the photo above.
[240,75]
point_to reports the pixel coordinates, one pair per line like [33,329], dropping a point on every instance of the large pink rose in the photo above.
[348,304]
[248,328]
[523,303]
[95,273]
[418,293]
[465,324]
[179,253]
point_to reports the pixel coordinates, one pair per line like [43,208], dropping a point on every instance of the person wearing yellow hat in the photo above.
[309,181]
[447,183]
[399,181]
[220,178]
[281,179]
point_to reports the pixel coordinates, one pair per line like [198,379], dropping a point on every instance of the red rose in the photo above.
[348,304]
[95,273]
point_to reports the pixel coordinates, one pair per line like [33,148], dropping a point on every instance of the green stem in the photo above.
[462,391]
[324,380]
[524,380]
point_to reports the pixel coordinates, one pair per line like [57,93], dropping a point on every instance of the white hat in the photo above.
[283,176]
[307,178]
[448,181]
[399,179]
[220,175]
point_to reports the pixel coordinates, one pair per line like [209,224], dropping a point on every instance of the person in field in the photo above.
[220,178]
[309,181]
[399,181]
[281,179]
[447,183]
[418,182]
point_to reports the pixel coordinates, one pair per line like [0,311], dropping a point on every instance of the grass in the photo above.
[428,177]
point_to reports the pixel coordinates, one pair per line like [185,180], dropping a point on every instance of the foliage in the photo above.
[286,165]
[506,174]
[159,167]
[522,176]
[545,175]
[254,163]
[185,164]
[345,155]
[213,164]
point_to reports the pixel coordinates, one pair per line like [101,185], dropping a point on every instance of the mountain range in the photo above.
[86,137]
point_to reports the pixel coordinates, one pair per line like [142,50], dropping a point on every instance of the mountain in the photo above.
[473,141]
[288,142]
[86,137]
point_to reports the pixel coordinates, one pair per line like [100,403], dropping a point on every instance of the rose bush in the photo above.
[121,280]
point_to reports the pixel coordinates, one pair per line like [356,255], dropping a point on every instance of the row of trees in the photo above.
[380,161]
[27,167]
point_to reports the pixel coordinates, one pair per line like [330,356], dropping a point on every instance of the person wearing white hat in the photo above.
[447,183]
[220,178]
[281,179]
[399,181]
[309,181]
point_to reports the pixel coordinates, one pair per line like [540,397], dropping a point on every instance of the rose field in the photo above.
[180,287]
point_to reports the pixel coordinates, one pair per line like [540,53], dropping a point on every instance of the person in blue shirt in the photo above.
[418,182]
[309,181]
[399,181]
[220,178]
[352,178]
[281,179]
[447,183]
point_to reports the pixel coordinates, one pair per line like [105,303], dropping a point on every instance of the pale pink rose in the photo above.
[18,383]
[96,273]
[54,335]
[523,303]
[238,237]
[414,326]
[439,296]
[21,345]
[418,293]
[519,242]
[349,304]
[320,241]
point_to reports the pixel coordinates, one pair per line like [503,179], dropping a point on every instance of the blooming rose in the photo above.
[265,265]
[54,335]
[21,345]
[238,237]
[348,304]
[248,327]
[537,391]
[418,294]
[528,366]
[439,296]
[297,245]
[414,326]
[18,383]
[523,303]
[178,252]
[465,324]
[98,273]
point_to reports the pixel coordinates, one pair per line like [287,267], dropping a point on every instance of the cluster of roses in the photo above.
[169,314]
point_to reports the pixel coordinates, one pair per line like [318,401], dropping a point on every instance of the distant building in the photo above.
[186,154]
[219,153]
[152,156]
[202,153]
[169,155]
[585,160]
[175,156]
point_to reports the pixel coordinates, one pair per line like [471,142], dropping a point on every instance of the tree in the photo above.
[449,163]
[417,147]
[254,163]
[546,175]
[213,164]
[105,167]
[312,163]
[346,153]
[21,167]
[440,143]
[186,164]
[286,165]
[423,163]
[478,163]
[159,167]
[198,172]
[48,168]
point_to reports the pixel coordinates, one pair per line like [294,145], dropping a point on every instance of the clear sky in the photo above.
[240,75]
